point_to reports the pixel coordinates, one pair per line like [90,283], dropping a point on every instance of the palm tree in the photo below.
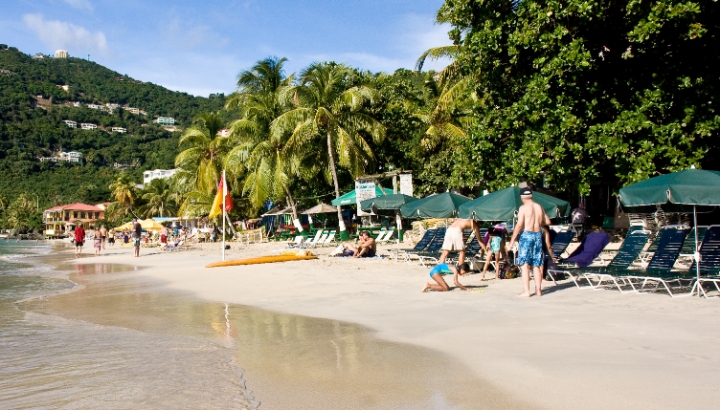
[261,155]
[123,191]
[452,114]
[328,111]
[206,152]
[157,196]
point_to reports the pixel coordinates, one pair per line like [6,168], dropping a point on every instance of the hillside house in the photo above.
[88,126]
[121,130]
[165,120]
[61,220]
[70,123]
[224,132]
[72,156]
[157,174]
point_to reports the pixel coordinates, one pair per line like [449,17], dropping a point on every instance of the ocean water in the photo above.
[104,336]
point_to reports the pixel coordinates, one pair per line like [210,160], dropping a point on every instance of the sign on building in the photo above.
[406,184]
[363,190]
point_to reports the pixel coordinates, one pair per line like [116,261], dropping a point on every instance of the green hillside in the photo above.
[34,106]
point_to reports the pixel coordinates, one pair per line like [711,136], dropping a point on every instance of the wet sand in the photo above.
[132,342]
[570,349]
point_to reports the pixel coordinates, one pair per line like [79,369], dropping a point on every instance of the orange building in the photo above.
[62,219]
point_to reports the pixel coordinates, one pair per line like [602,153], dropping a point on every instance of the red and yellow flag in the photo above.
[216,208]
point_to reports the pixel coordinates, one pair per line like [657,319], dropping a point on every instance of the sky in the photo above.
[200,46]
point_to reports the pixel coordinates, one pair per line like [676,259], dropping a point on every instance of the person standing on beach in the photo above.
[137,235]
[97,241]
[531,220]
[454,240]
[111,237]
[79,238]
[103,236]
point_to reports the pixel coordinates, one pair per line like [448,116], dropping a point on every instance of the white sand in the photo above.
[571,349]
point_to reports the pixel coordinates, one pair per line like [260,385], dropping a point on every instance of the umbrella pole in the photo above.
[696,257]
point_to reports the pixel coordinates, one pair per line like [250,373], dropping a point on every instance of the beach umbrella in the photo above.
[321,208]
[388,204]
[391,202]
[124,227]
[350,198]
[689,187]
[503,204]
[443,205]
[150,225]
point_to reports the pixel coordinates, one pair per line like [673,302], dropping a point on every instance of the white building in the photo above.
[72,156]
[165,121]
[76,103]
[70,123]
[95,106]
[65,87]
[121,130]
[88,126]
[132,110]
[61,54]
[158,173]
[224,132]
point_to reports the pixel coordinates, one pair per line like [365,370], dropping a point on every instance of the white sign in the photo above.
[406,185]
[364,190]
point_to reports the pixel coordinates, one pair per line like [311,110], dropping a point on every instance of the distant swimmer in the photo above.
[531,220]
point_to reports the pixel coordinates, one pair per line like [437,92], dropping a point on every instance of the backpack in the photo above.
[509,271]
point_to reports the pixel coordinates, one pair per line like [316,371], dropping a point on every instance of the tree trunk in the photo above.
[230,225]
[337,186]
[293,206]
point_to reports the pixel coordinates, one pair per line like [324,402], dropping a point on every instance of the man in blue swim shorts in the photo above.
[531,220]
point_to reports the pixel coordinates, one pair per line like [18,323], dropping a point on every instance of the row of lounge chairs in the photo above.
[646,264]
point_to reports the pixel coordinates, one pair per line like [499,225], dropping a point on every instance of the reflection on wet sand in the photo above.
[289,362]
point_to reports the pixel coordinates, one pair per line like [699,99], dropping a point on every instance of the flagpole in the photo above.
[224,190]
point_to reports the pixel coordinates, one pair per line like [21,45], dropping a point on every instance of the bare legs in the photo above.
[443,255]
[537,274]
[487,263]
[441,286]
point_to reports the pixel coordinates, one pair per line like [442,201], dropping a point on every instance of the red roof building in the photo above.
[60,219]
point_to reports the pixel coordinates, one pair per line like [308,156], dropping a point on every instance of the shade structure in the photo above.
[125,227]
[501,205]
[386,203]
[278,211]
[321,208]
[443,205]
[150,225]
[689,187]
[351,198]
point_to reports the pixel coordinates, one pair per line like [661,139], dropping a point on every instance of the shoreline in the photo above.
[572,348]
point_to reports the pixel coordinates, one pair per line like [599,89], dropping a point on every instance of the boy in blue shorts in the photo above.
[442,269]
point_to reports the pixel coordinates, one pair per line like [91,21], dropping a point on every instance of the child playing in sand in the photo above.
[494,248]
[446,269]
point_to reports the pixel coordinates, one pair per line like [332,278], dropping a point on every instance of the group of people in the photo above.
[531,233]
[99,237]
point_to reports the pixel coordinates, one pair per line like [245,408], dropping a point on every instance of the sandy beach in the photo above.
[571,349]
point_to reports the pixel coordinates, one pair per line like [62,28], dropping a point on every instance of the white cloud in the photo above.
[60,34]
[186,36]
[80,4]
[421,34]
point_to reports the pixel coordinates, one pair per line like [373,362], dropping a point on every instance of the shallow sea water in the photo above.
[111,338]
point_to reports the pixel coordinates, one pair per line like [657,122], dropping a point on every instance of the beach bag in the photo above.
[509,271]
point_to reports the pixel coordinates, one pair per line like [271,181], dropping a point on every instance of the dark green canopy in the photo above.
[386,203]
[689,187]
[444,205]
[501,205]
[350,198]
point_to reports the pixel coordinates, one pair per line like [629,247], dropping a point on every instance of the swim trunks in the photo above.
[369,254]
[136,242]
[442,268]
[453,240]
[530,249]
[495,244]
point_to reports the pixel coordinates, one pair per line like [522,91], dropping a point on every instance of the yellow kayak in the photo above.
[261,259]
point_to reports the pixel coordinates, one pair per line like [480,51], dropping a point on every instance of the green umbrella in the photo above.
[350,198]
[444,205]
[503,204]
[690,187]
[391,202]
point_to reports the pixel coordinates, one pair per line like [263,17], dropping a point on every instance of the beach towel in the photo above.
[590,249]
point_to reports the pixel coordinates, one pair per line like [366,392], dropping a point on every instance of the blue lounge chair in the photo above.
[561,242]
[709,261]
[423,243]
[628,253]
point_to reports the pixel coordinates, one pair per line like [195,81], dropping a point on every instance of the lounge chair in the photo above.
[669,244]
[432,251]
[419,246]
[628,253]
[313,241]
[329,239]
[709,261]
[385,239]
[589,249]
[297,242]
[561,242]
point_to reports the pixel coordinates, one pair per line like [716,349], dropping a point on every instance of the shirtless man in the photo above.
[367,246]
[531,220]
[454,239]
